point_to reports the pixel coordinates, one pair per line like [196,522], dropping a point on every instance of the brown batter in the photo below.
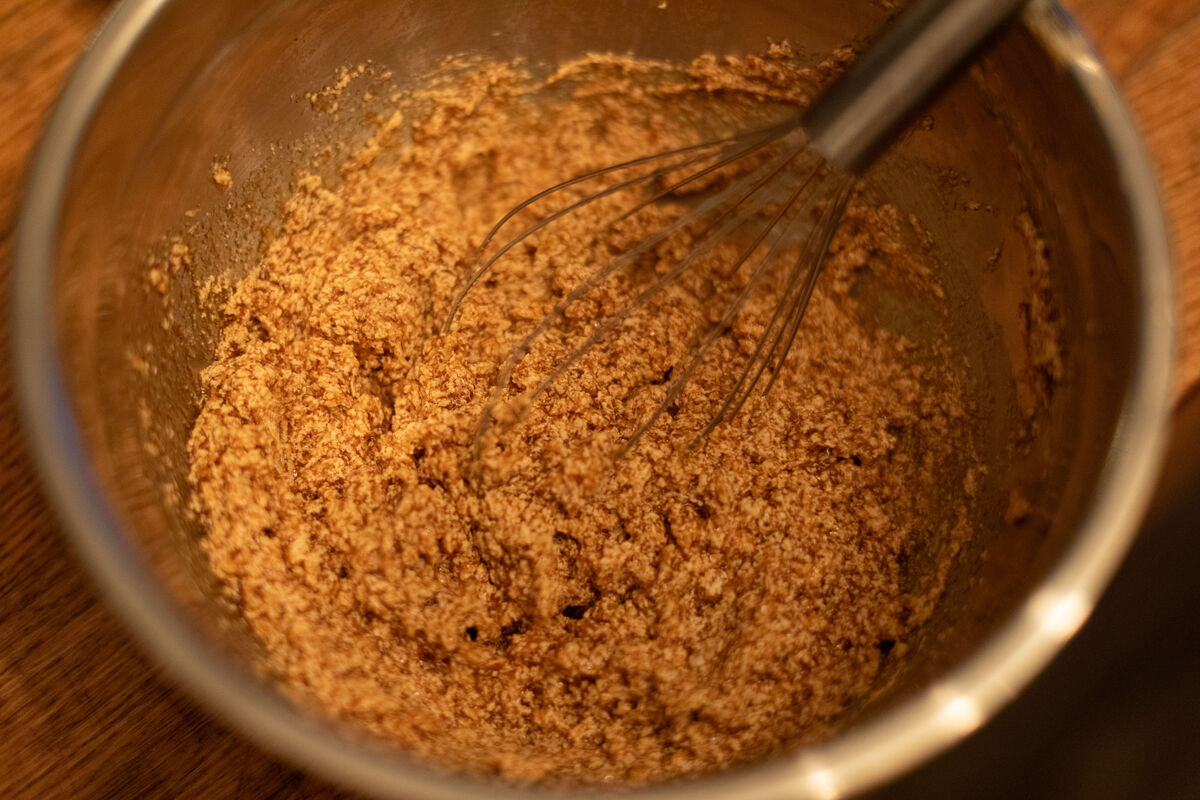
[567,618]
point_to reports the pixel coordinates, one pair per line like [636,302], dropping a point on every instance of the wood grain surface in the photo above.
[83,712]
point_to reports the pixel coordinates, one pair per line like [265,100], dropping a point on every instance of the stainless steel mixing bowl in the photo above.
[109,390]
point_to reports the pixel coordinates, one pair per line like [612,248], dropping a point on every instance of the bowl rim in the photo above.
[880,749]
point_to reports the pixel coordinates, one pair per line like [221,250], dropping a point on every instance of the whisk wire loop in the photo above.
[722,327]
[791,301]
[748,143]
[728,201]
[712,220]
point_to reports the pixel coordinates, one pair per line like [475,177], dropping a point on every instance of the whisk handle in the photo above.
[853,118]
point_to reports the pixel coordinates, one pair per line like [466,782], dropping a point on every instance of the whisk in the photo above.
[798,177]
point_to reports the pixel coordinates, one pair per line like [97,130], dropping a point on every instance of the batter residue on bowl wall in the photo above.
[575,620]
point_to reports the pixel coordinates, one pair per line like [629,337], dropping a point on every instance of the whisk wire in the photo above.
[757,140]
[708,242]
[755,181]
[731,311]
[833,212]
[749,377]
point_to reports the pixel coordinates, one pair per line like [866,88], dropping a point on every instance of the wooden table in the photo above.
[83,713]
